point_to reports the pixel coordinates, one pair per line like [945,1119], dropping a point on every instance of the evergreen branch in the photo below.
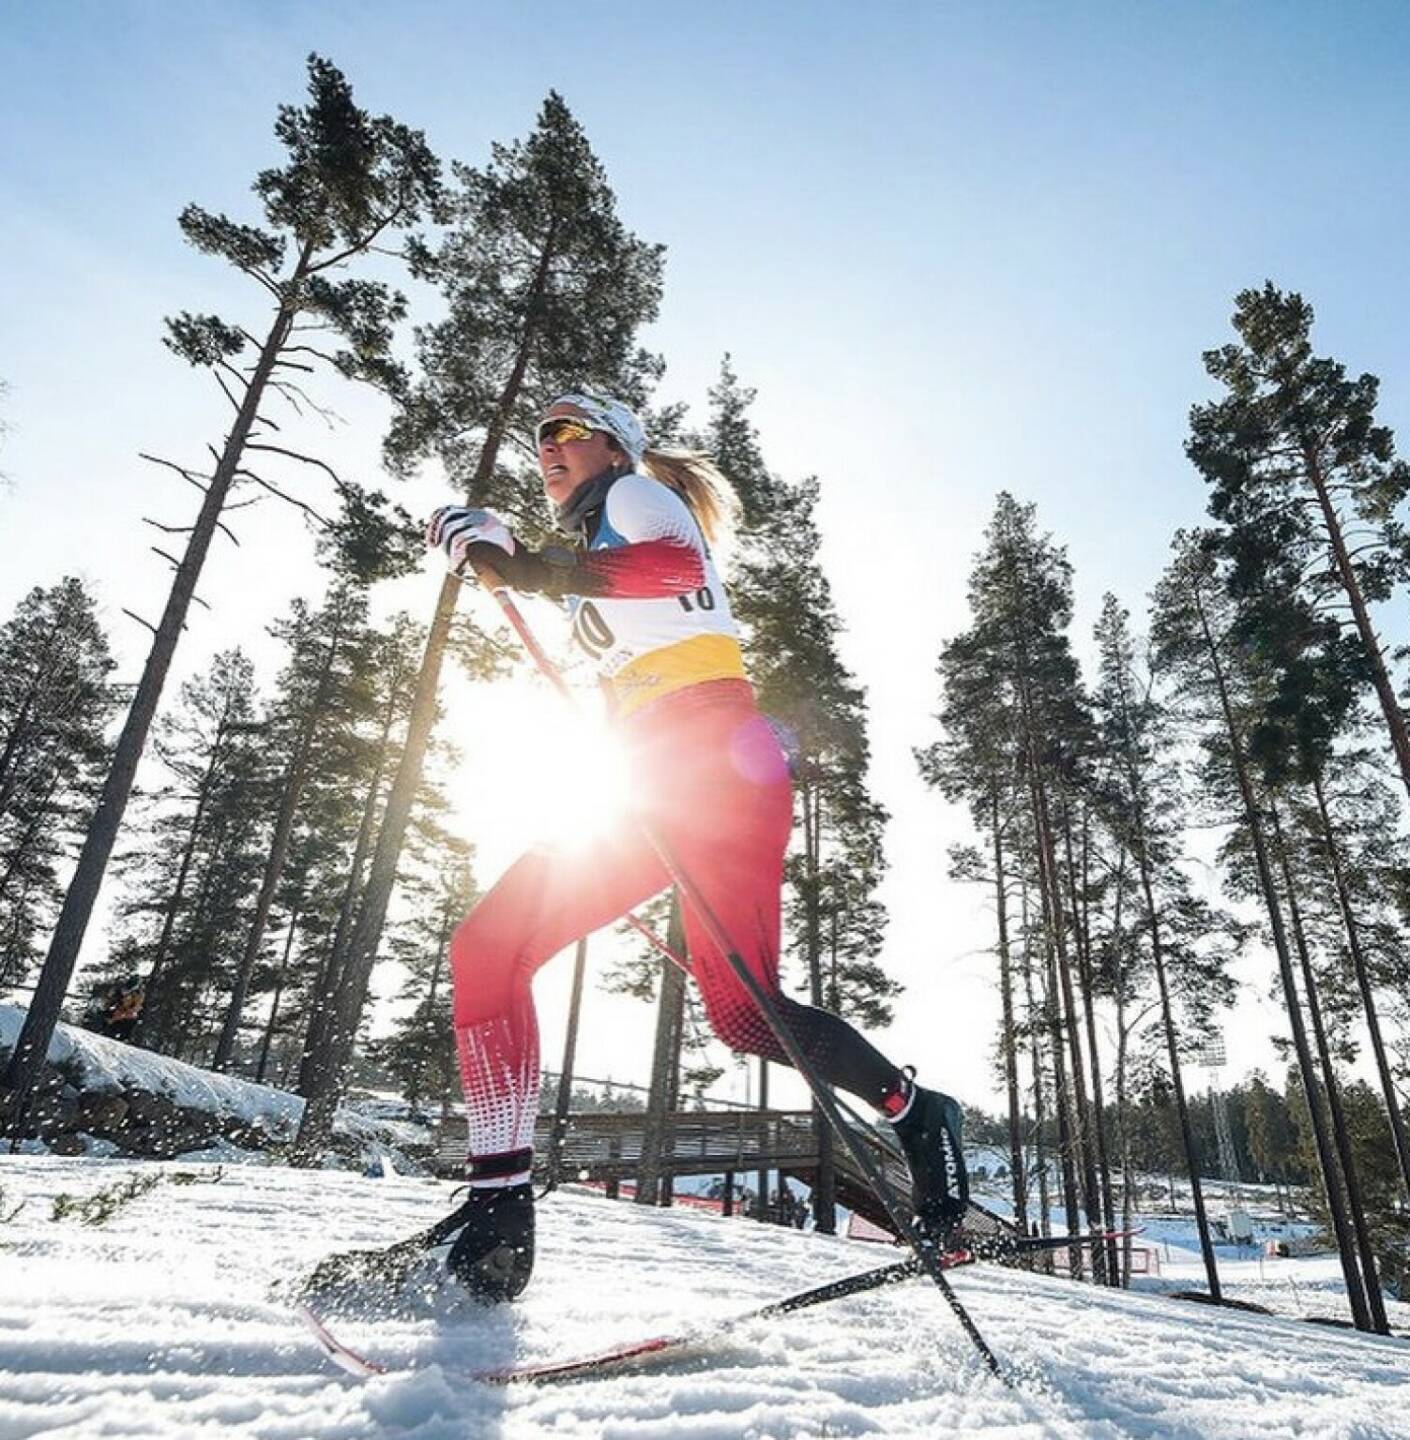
[363,244]
[295,365]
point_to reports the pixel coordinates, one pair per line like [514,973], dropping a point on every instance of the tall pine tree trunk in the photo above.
[1123,1034]
[1065,1001]
[1009,1038]
[1375,656]
[1035,1031]
[656,1141]
[82,894]
[1082,936]
[564,1098]
[1351,1178]
[1177,1079]
[1356,1294]
[1363,982]
[328,1063]
[271,1023]
[1063,1108]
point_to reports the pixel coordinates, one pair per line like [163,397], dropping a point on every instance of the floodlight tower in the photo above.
[1213,1056]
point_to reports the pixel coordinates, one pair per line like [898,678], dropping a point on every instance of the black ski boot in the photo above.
[929,1133]
[493,1253]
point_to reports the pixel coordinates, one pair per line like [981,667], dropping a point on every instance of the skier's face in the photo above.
[566,464]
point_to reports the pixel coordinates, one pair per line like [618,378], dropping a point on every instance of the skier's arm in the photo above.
[659,554]
[639,570]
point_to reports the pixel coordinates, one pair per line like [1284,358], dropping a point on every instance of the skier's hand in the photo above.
[461,531]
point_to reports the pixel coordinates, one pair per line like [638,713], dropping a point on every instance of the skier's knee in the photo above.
[482,967]
[740,1025]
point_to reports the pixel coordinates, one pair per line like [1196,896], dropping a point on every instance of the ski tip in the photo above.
[341,1355]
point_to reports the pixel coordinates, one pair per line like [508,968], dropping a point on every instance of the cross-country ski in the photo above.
[1008,1250]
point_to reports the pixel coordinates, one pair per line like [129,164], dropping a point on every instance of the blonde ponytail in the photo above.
[706,490]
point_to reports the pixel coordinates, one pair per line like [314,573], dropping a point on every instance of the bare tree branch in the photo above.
[289,391]
[233,401]
[132,615]
[306,459]
[233,373]
[362,244]
[280,494]
[187,529]
[190,476]
[309,350]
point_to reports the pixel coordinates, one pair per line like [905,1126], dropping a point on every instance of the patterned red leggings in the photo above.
[712,781]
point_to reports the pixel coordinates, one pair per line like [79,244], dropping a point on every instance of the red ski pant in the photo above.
[711,780]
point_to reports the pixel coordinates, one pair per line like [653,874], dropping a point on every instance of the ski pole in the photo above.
[924,1248]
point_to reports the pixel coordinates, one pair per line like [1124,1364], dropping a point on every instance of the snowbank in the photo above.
[94,1064]
[98,1093]
[160,1324]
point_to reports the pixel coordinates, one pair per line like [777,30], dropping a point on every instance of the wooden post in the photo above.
[656,1138]
[564,1098]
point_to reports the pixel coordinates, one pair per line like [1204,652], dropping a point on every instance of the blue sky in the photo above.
[957,248]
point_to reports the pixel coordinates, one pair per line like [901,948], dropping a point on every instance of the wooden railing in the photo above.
[607,1146]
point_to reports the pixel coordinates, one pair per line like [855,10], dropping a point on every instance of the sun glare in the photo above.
[537,769]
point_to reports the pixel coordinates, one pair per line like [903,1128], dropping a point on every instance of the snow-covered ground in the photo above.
[160,1323]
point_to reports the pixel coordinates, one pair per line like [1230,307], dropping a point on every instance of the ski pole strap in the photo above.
[496,1167]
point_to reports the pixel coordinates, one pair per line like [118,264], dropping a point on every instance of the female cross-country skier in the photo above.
[648,608]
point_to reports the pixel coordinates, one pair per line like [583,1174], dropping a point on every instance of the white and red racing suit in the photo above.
[714,784]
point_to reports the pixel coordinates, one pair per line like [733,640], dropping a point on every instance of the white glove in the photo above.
[455,528]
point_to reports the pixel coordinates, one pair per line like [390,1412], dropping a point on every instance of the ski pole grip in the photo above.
[487,575]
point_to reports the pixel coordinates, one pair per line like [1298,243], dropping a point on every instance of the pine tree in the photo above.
[783,602]
[323,646]
[55,700]
[190,875]
[1303,476]
[419,1053]
[1145,812]
[350,180]
[1020,597]
[545,291]
[975,762]
[1193,628]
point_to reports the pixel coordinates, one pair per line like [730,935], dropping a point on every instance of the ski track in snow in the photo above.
[160,1324]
